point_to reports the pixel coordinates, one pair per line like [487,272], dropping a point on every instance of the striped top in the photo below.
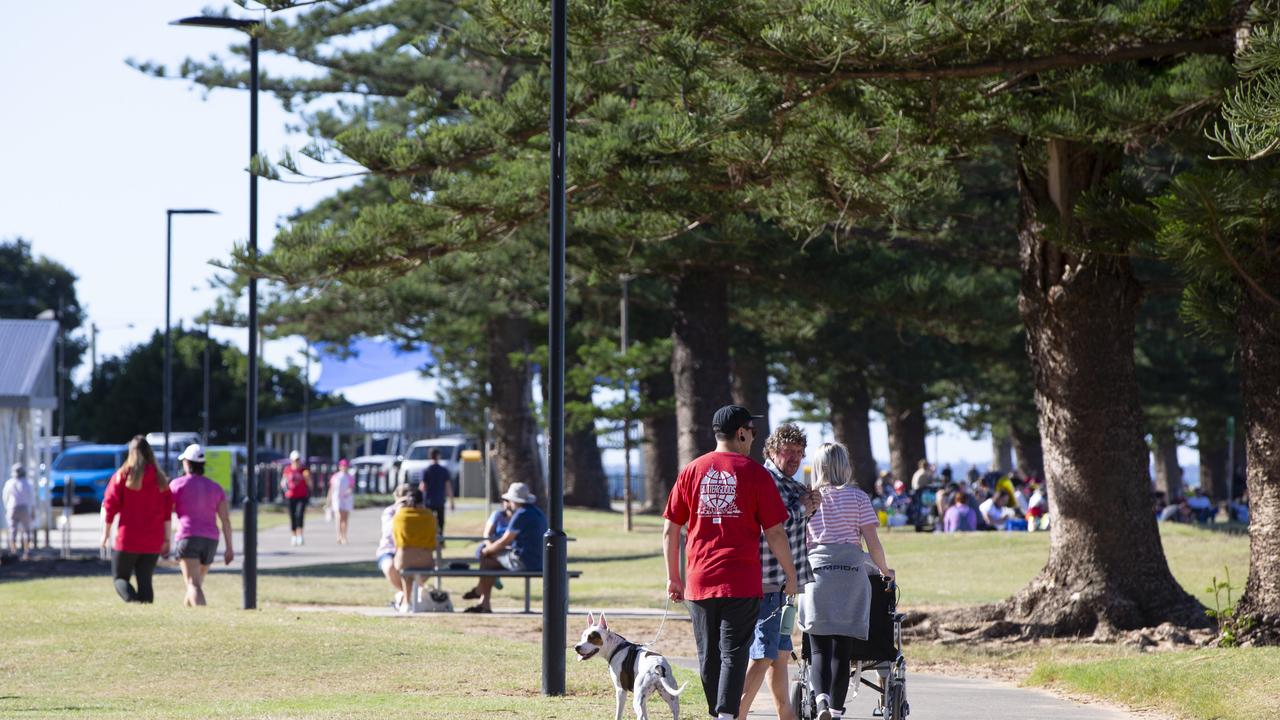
[840,517]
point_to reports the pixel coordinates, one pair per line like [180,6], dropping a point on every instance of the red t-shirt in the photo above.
[296,482]
[726,499]
[143,512]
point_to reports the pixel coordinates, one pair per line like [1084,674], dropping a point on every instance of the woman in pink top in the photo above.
[836,606]
[200,504]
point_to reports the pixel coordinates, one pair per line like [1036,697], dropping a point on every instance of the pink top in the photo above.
[195,500]
[840,517]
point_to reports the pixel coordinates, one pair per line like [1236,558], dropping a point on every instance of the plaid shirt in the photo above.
[792,494]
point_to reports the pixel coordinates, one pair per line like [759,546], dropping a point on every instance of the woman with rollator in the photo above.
[835,608]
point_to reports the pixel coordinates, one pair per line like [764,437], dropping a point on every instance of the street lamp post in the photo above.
[167,417]
[555,581]
[250,574]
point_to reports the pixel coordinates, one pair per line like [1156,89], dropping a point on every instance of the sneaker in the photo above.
[302,540]
[824,709]
[399,598]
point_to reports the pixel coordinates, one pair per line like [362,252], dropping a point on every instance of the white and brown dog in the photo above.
[634,668]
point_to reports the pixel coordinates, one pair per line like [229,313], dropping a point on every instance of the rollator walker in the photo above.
[879,655]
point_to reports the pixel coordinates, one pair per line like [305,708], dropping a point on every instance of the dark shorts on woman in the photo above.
[198,548]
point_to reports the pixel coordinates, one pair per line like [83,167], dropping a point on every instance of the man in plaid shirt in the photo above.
[770,650]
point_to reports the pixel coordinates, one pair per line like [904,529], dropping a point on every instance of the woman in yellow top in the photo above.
[414,530]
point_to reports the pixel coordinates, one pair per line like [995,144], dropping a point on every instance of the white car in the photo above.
[419,457]
[371,470]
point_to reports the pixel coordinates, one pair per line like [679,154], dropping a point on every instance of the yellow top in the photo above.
[414,527]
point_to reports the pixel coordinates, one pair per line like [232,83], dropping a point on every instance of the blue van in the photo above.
[90,467]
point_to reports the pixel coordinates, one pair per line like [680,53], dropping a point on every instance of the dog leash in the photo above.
[666,610]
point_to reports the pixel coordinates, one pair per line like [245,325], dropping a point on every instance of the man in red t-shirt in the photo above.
[725,498]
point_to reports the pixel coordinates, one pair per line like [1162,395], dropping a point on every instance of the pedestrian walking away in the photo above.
[200,504]
[295,482]
[138,497]
[19,510]
[437,487]
[342,498]
[770,646]
[836,606]
[724,499]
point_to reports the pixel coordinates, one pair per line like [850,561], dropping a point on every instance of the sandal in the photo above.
[471,594]
[478,609]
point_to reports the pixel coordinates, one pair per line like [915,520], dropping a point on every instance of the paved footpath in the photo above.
[932,697]
[936,697]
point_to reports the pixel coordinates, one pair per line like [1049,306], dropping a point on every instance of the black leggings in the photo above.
[124,565]
[829,666]
[297,512]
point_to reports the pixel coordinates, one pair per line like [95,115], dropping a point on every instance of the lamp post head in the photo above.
[191,211]
[217,22]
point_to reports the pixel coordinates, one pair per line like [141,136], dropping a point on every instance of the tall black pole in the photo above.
[251,394]
[306,406]
[166,419]
[555,582]
[62,388]
[204,430]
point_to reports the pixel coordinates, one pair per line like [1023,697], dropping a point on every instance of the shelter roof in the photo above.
[26,363]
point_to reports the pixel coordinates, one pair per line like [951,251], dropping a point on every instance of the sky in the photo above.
[93,152]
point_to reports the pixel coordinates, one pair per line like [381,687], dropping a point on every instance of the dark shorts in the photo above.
[198,548]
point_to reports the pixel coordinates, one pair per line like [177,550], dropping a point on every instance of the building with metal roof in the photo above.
[28,390]
[353,429]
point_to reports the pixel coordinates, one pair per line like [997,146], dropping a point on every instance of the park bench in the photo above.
[441,570]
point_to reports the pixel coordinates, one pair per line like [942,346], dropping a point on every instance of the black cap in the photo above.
[730,418]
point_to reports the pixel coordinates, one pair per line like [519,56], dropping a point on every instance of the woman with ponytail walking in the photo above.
[138,496]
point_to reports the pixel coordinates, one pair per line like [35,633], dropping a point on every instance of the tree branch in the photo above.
[1213,45]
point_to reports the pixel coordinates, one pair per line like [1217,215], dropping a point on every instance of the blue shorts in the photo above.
[767,640]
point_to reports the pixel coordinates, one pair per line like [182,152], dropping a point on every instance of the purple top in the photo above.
[960,518]
[195,500]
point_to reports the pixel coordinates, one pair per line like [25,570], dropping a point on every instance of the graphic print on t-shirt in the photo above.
[718,494]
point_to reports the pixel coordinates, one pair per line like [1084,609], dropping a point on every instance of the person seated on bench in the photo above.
[414,531]
[519,548]
[386,552]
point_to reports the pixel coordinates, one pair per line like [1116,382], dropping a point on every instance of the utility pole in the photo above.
[93,353]
[306,403]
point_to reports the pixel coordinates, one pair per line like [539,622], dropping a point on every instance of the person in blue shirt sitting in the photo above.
[519,548]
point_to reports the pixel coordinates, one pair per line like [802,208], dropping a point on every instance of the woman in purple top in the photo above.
[200,504]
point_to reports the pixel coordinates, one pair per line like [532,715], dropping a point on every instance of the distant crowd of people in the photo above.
[1197,507]
[991,501]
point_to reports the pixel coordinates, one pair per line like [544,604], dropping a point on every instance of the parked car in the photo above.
[419,457]
[89,467]
[373,473]
[178,441]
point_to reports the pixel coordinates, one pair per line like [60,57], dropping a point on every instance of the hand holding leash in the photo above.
[675,590]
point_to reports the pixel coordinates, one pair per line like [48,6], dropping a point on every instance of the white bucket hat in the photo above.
[519,493]
[194,453]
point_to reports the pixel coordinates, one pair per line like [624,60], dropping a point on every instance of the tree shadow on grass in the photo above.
[362,569]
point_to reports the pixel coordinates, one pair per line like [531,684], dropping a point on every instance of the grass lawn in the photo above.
[95,657]
[99,658]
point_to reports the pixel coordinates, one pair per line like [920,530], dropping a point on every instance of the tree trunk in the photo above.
[850,424]
[750,376]
[1212,444]
[699,359]
[1168,471]
[1002,454]
[585,484]
[1027,448]
[905,421]
[661,456]
[1258,330]
[515,430]
[1106,569]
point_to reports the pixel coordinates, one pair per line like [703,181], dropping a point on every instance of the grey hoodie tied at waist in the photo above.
[838,601]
